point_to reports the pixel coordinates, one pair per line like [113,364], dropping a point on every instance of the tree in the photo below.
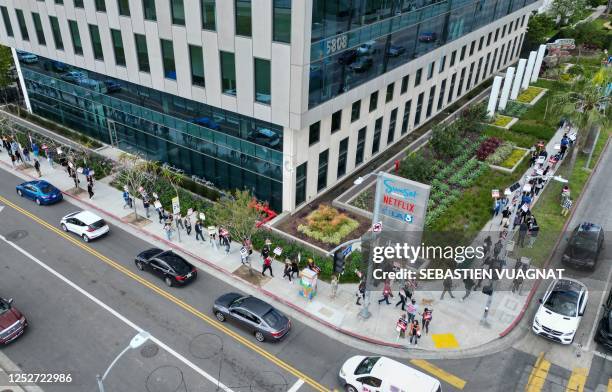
[417,168]
[539,29]
[6,64]
[586,105]
[472,119]
[238,214]
[444,140]
[561,10]
[136,175]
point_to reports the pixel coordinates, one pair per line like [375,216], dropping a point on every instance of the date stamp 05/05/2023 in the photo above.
[17,378]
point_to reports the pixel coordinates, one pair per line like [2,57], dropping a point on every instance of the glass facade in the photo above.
[40,34]
[148,8]
[281,21]
[228,73]
[167,50]
[76,37]
[356,41]
[207,8]
[57,34]
[118,47]
[243,17]
[231,150]
[263,81]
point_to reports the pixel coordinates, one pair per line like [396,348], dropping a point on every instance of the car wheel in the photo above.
[350,388]
[19,192]
[64,227]
[220,316]
[140,266]
[168,281]
[37,201]
[85,238]
[260,337]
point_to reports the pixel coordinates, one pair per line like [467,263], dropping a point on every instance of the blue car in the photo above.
[40,191]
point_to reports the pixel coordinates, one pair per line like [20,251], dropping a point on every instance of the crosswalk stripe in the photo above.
[577,380]
[537,378]
[440,373]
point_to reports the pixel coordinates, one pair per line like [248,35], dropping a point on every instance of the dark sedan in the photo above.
[252,314]
[170,267]
[604,331]
[584,246]
[40,191]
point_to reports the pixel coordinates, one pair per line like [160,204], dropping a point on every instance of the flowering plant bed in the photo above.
[328,225]
[511,161]
[502,152]
[502,121]
[529,95]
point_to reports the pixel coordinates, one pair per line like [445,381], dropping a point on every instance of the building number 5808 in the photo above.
[336,44]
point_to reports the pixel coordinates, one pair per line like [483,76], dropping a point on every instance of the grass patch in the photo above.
[512,159]
[501,120]
[328,225]
[519,139]
[529,94]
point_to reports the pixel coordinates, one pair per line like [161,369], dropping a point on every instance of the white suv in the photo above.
[561,310]
[85,224]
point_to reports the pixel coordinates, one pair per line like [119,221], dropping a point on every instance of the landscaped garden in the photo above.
[501,121]
[529,94]
[328,225]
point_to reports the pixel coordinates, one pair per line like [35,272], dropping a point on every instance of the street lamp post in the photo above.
[136,342]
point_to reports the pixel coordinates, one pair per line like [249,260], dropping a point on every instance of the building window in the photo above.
[118,47]
[57,34]
[40,34]
[196,58]
[142,53]
[405,81]
[417,77]
[506,54]
[322,175]
[417,115]
[478,71]
[406,117]
[501,51]
[207,8]
[59,1]
[314,134]
[355,111]
[177,10]
[281,27]
[23,29]
[7,21]
[360,146]
[493,61]
[472,46]
[486,67]
[503,34]
[300,183]
[522,20]
[392,122]
[342,154]
[470,74]
[124,7]
[79,4]
[480,43]
[489,38]
[441,96]
[516,25]
[228,73]
[376,138]
[262,81]
[243,17]
[167,51]
[496,35]
[430,69]
[76,37]
[336,121]
[100,5]
[442,64]
[389,96]
[94,34]
[453,58]
[461,78]
[510,27]
[373,101]
[148,8]
[451,89]
[430,99]
[462,55]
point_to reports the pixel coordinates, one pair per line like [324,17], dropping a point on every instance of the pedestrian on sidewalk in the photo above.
[37,167]
[212,237]
[402,325]
[538,186]
[90,191]
[496,207]
[469,284]
[403,296]
[486,264]
[534,230]
[198,230]
[523,228]
[287,270]
[487,245]
[295,268]
[567,205]
[426,319]
[126,200]
[267,265]
[447,285]
[412,309]
[187,223]
[35,150]
[497,248]
[386,293]
[565,193]
[517,220]
[505,222]
[26,154]
[146,204]
[179,221]
[226,243]
[360,292]
[415,332]
[564,145]
[168,230]
[532,159]
[13,159]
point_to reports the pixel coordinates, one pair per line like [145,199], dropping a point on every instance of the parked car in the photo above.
[561,310]
[172,268]
[428,37]
[253,314]
[206,122]
[27,58]
[265,137]
[85,224]
[367,48]
[360,373]
[112,85]
[92,84]
[56,66]
[604,330]
[362,64]
[12,321]
[396,50]
[73,76]
[584,245]
[347,57]
[40,191]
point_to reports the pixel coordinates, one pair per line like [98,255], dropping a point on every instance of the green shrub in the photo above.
[512,158]
[540,131]
[501,153]
[501,120]
[444,141]
[328,225]
[529,94]
[416,167]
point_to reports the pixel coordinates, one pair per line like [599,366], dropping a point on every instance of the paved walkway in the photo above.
[455,324]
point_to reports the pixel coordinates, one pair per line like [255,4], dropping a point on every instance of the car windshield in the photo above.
[47,188]
[98,224]
[562,302]
[274,318]
[365,367]
[177,263]
[4,306]
[585,240]
[237,302]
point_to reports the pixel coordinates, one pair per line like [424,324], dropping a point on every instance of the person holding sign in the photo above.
[267,265]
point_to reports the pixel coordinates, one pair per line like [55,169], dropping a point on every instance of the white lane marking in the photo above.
[602,355]
[118,315]
[296,386]
[599,307]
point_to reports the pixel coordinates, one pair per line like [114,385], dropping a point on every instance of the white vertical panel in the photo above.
[129,47]
[193,21]
[529,69]
[518,77]
[182,61]
[112,13]
[164,18]
[282,73]
[289,164]
[262,28]
[108,65]
[538,63]
[262,112]
[244,76]
[494,94]
[137,16]
[212,68]
[506,89]
[225,24]
[155,57]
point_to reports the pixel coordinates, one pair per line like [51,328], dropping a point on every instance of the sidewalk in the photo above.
[455,324]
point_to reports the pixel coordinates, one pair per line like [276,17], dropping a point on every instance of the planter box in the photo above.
[537,97]
[507,126]
[507,170]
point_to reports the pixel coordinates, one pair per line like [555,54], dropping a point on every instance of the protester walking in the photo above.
[267,266]
[226,243]
[496,207]
[179,221]
[13,159]
[534,230]
[168,231]
[412,309]
[146,204]
[497,248]
[127,200]
[198,230]
[567,205]
[415,332]
[386,293]
[37,167]
[187,224]
[447,286]
[287,270]
[469,284]
[426,319]
[26,154]
[90,191]
[360,292]
[295,269]
[403,296]
[523,228]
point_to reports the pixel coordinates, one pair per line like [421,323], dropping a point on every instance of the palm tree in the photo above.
[586,105]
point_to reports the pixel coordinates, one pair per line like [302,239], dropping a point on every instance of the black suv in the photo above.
[169,266]
[584,246]
[604,331]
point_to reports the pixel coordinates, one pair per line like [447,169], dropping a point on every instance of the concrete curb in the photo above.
[549,260]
